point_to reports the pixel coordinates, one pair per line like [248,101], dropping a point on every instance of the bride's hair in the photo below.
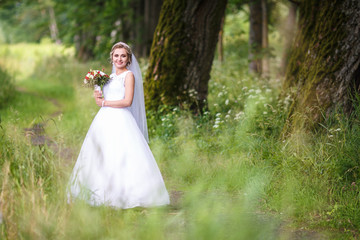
[127,49]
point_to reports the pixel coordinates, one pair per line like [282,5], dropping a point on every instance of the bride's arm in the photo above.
[129,95]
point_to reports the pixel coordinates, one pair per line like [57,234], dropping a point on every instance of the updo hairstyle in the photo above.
[127,49]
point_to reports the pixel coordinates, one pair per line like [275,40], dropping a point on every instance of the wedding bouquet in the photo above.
[96,79]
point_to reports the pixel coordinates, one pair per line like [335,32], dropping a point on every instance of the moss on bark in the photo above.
[182,51]
[318,56]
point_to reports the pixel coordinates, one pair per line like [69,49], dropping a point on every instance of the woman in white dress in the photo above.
[115,166]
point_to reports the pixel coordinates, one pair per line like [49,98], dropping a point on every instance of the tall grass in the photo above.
[230,173]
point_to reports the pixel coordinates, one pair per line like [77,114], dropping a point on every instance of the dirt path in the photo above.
[37,132]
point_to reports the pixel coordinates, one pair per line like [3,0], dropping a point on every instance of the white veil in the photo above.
[137,107]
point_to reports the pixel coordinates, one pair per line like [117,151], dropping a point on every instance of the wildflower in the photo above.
[227,102]
[215,126]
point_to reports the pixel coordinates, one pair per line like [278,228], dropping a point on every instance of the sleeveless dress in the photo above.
[115,166]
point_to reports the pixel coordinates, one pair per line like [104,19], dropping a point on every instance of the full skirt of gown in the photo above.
[115,166]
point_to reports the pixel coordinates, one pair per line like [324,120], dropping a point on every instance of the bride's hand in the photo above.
[99,101]
[97,94]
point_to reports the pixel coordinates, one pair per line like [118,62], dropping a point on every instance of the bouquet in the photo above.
[96,79]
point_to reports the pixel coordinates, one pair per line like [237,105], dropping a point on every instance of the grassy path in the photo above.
[228,174]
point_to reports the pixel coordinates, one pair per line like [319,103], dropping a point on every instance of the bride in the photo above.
[115,166]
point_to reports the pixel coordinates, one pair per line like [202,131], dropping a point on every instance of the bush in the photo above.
[7,88]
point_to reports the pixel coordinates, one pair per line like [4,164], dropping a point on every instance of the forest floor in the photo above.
[38,137]
[228,174]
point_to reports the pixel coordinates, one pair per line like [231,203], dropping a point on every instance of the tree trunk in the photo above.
[288,35]
[255,36]
[54,31]
[144,21]
[84,42]
[151,17]
[182,52]
[137,26]
[220,43]
[265,39]
[324,66]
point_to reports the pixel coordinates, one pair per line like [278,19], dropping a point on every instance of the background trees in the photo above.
[94,26]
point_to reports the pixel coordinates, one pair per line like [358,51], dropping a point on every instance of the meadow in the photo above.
[232,172]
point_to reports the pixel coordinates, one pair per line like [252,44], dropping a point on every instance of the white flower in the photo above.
[218,114]
[258,91]
[215,126]
[227,102]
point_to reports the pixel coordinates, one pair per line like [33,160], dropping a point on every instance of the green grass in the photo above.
[237,177]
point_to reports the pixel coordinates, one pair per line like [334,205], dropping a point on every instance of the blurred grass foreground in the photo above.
[230,173]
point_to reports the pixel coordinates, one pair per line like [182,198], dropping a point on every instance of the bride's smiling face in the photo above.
[120,58]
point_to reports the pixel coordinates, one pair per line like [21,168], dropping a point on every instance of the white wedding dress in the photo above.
[115,166]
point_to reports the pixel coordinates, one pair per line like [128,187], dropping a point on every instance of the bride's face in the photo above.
[120,58]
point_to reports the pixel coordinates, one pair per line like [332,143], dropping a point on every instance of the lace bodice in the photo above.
[115,88]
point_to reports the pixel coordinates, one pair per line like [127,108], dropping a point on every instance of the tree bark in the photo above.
[220,41]
[54,31]
[265,39]
[182,52]
[151,17]
[324,67]
[288,35]
[255,36]
[84,42]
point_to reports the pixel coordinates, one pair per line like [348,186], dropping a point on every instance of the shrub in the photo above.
[7,88]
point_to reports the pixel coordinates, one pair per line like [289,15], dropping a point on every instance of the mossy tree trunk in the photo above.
[182,52]
[324,66]
[288,35]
